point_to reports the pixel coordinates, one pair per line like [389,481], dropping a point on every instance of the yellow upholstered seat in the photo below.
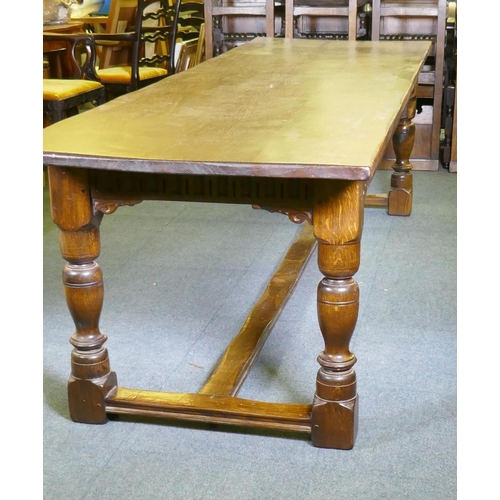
[62,89]
[123,74]
[63,97]
[139,47]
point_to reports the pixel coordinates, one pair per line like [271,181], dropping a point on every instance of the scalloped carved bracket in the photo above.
[296,216]
[109,206]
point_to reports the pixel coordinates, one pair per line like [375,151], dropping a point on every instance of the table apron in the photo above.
[111,189]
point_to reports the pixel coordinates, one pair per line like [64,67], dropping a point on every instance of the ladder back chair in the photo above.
[152,47]
[191,16]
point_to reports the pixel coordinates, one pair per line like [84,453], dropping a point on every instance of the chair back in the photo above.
[324,19]
[122,15]
[229,23]
[156,28]
[121,19]
[191,15]
[80,54]
[151,44]
[154,23]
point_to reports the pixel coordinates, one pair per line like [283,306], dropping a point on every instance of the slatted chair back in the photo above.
[324,19]
[229,23]
[153,48]
[191,15]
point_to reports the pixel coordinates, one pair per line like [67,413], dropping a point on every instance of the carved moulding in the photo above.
[296,216]
[110,206]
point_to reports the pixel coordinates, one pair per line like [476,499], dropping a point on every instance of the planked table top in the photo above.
[272,107]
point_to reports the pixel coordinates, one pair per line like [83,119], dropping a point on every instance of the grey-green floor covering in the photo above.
[180,279]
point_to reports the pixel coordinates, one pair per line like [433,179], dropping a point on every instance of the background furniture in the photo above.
[233,22]
[229,23]
[191,16]
[54,52]
[418,20]
[151,44]
[190,30]
[329,19]
[187,55]
[453,155]
[449,119]
[121,19]
[62,97]
[200,54]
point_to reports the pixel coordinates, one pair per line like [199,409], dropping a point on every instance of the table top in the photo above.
[94,19]
[69,27]
[272,107]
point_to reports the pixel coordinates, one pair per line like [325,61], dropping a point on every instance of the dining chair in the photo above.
[200,51]
[151,44]
[324,19]
[229,23]
[62,97]
[191,15]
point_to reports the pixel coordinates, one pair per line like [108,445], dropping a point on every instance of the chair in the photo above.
[191,15]
[151,46]
[230,23]
[328,19]
[62,97]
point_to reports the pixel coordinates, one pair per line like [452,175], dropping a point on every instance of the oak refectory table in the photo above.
[287,125]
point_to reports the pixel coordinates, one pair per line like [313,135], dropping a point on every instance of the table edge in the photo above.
[276,170]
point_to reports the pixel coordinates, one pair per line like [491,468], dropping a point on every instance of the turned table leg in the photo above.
[91,379]
[337,220]
[401,193]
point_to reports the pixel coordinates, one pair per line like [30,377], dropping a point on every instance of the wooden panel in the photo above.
[230,23]
[335,19]
[121,19]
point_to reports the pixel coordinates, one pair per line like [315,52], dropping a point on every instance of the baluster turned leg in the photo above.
[91,379]
[401,193]
[337,219]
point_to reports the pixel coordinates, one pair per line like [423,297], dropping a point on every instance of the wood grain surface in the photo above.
[272,107]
